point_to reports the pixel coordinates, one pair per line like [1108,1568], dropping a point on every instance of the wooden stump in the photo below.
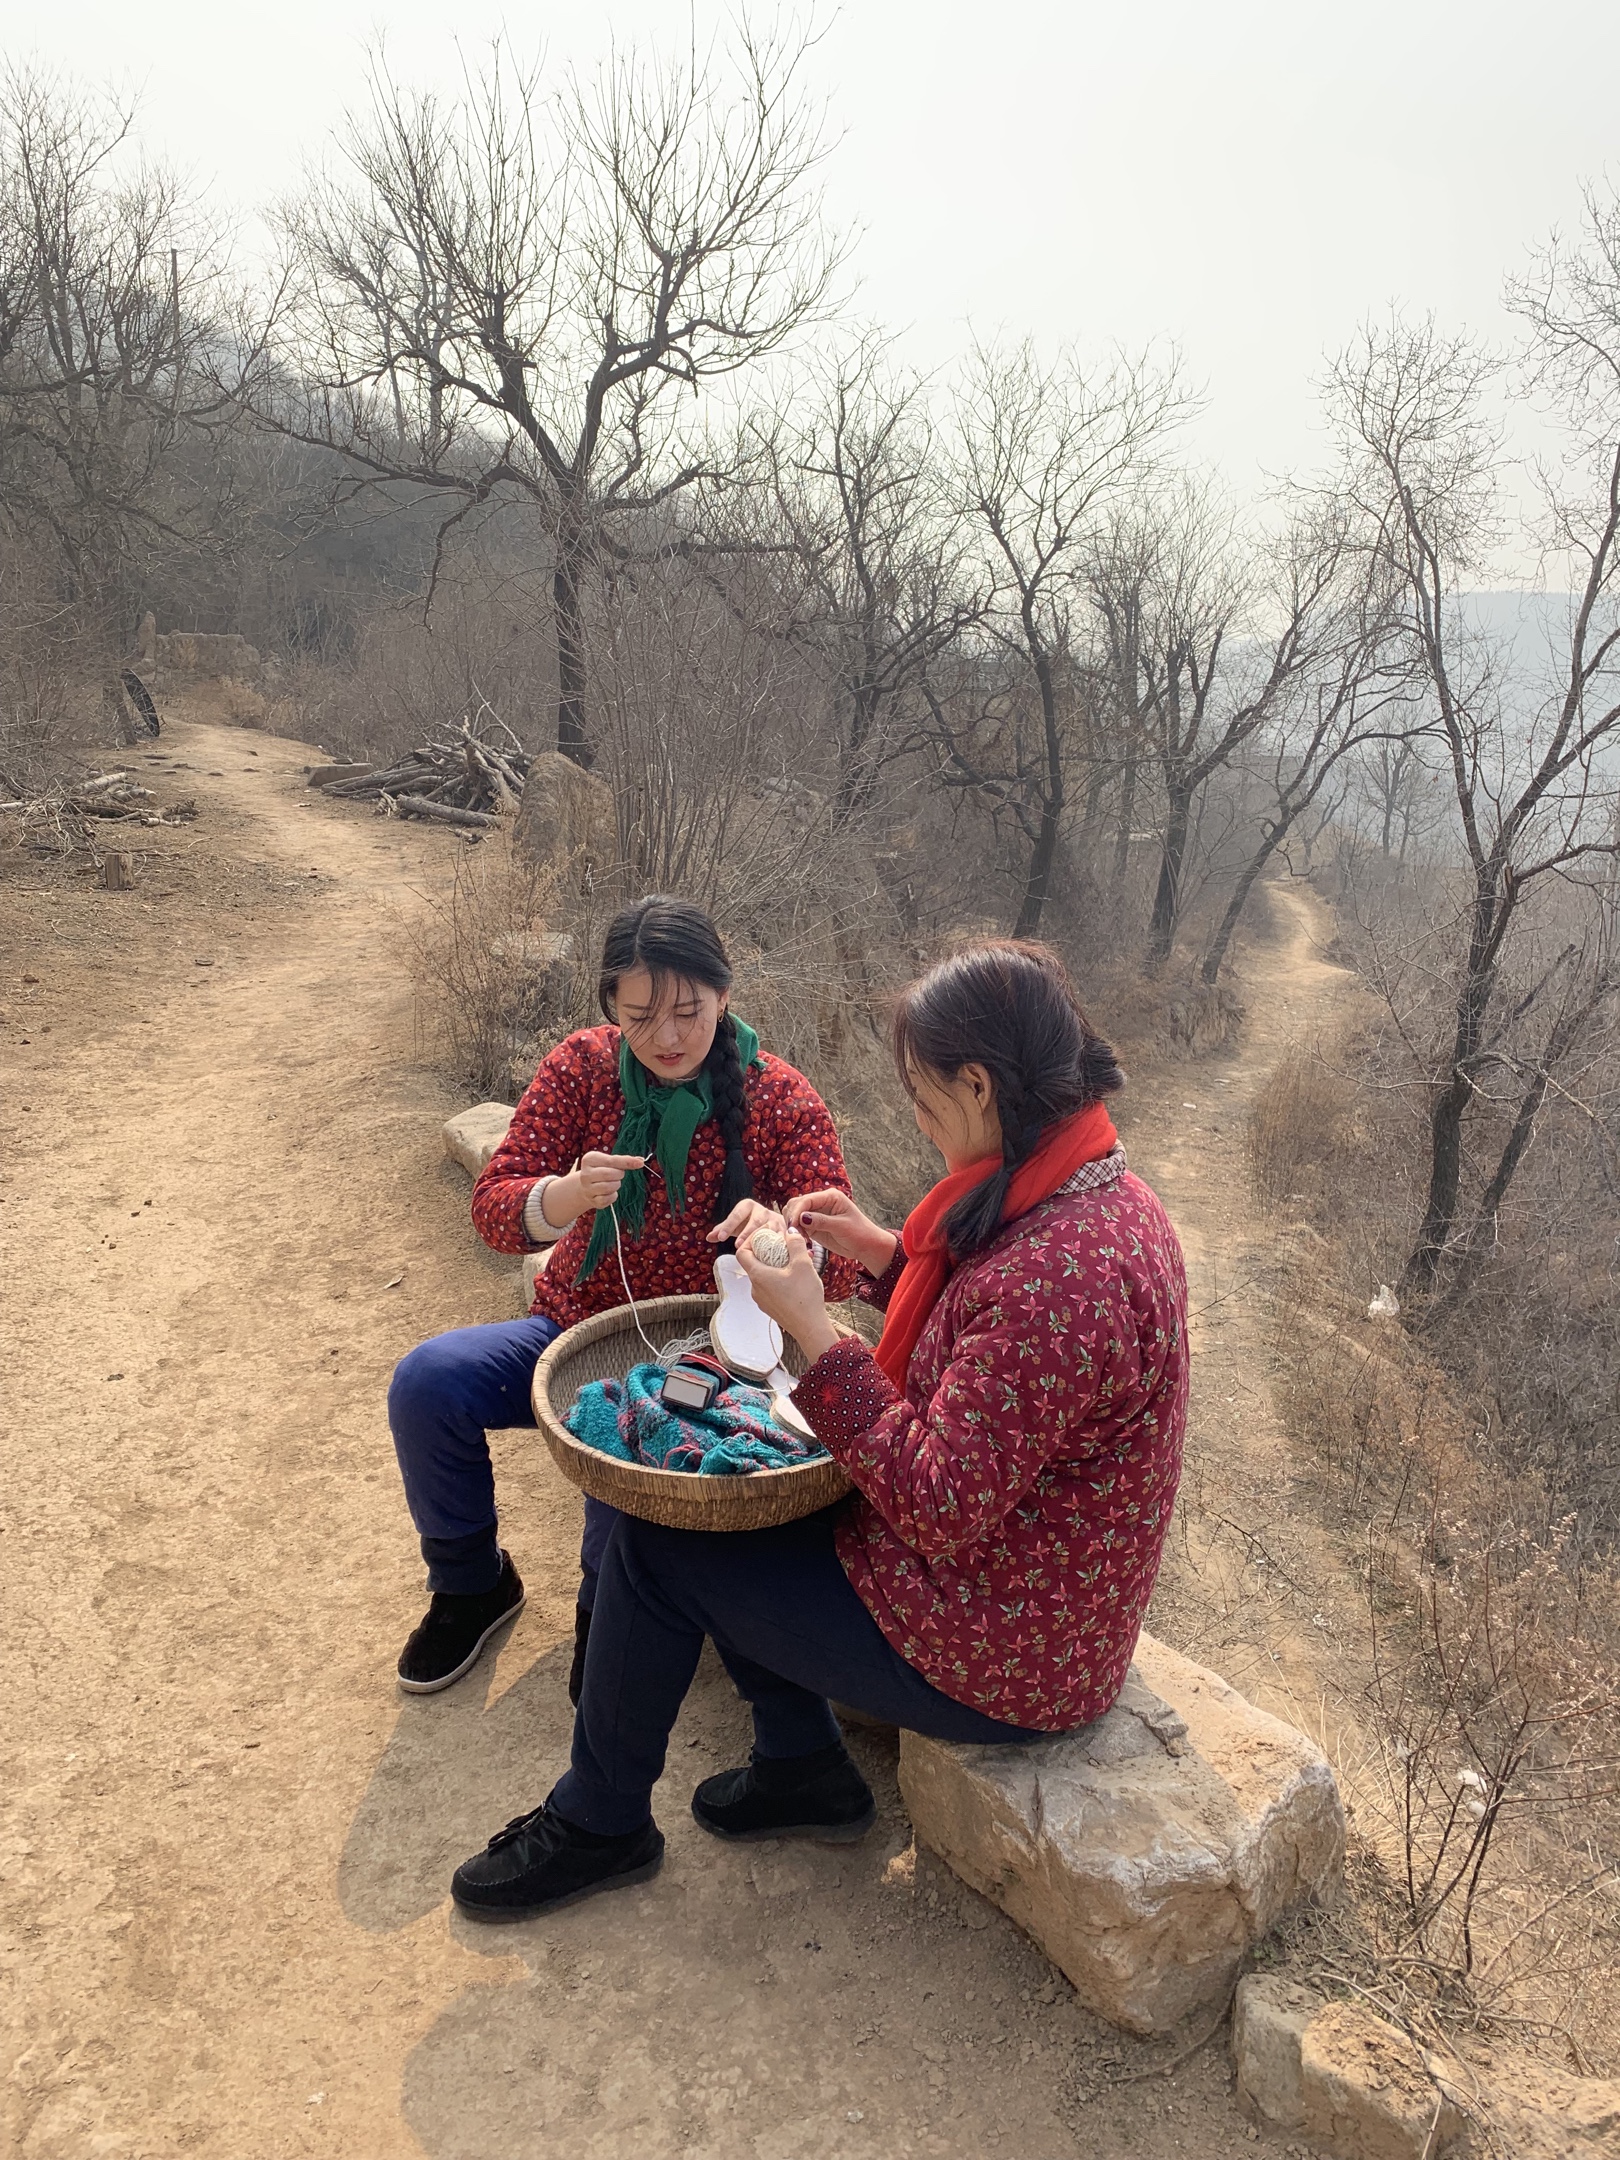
[118,872]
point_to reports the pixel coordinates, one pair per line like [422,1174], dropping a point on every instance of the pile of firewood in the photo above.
[466,779]
[66,817]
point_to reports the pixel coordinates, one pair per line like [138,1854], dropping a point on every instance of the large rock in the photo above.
[1368,2091]
[206,653]
[1547,2114]
[472,1136]
[547,958]
[1269,2018]
[1148,1853]
[1360,2089]
[567,821]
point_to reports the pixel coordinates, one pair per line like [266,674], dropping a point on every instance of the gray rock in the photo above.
[1269,2019]
[206,653]
[1149,1852]
[1368,2092]
[1356,2087]
[567,821]
[546,958]
[1540,2113]
[472,1136]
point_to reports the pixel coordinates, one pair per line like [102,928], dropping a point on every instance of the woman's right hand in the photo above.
[832,1219]
[594,1183]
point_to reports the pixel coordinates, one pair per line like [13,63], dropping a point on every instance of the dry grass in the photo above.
[1300,1128]
[495,984]
[1486,1672]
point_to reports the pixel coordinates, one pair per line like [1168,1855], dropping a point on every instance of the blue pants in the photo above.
[445,1397]
[787,1624]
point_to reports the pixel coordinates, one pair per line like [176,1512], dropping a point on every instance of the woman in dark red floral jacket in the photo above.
[639,1147]
[1014,1444]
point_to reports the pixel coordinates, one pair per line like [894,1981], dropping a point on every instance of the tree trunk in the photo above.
[570,625]
[1216,955]
[1038,883]
[1167,897]
[1097,779]
[1451,1103]
[855,770]
[1127,817]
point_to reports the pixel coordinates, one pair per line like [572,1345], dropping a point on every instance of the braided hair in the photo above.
[1009,1006]
[676,942]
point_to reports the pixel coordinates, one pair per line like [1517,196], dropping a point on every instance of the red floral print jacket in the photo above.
[1012,1505]
[574,1103]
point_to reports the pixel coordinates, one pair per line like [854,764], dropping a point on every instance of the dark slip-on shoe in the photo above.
[539,1863]
[821,1796]
[450,1637]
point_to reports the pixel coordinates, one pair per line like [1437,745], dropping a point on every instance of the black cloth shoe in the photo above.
[582,1635]
[539,1862]
[454,1630]
[821,1796]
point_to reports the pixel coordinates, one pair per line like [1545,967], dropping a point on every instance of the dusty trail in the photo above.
[1252,1584]
[226,1839]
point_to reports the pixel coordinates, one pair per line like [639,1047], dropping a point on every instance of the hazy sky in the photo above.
[1248,180]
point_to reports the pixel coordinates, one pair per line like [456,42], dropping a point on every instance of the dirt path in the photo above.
[1253,1583]
[223,1864]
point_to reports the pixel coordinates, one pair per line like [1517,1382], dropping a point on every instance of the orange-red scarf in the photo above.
[1085,1137]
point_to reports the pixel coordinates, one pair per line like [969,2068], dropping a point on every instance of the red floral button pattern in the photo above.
[1012,1505]
[575,1103]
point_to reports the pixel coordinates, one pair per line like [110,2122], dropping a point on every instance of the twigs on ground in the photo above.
[69,816]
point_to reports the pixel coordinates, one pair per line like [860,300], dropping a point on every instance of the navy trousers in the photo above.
[791,1632]
[446,1396]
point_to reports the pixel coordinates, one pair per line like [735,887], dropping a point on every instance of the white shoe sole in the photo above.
[433,1687]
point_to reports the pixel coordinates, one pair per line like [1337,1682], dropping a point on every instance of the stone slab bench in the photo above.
[472,1136]
[1148,1853]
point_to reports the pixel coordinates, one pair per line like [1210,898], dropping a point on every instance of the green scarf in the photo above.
[658,1121]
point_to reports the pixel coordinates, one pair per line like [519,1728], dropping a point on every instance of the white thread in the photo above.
[618,1246]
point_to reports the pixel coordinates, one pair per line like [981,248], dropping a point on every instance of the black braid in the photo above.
[727,1084]
[1010,1007]
[976,1217]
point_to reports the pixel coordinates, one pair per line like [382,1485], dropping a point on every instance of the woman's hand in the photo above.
[593,1184]
[745,1218]
[833,1220]
[792,1296]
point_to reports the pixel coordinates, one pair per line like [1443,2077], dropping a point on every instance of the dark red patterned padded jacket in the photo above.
[1012,1505]
[574,1103]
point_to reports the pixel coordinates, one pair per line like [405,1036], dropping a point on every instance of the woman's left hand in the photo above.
[791,1295]
[745,1218]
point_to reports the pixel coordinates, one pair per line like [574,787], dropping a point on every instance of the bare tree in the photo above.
[506,298]
[1202,653]
[1043,454]
[1353,695]
[1532,783]
[107,289]
[858,488]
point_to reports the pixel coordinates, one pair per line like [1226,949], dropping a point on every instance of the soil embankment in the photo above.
[227,1839]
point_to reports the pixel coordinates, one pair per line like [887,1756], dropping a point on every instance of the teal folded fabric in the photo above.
[735,1436]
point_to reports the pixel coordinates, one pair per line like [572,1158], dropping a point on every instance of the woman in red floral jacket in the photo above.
[639,1147]
[1014,1444]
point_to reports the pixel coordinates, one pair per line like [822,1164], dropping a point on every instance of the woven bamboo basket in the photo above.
[605,1348]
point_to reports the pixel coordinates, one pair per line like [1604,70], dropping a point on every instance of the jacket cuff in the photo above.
[844,1393]
[878,1289]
